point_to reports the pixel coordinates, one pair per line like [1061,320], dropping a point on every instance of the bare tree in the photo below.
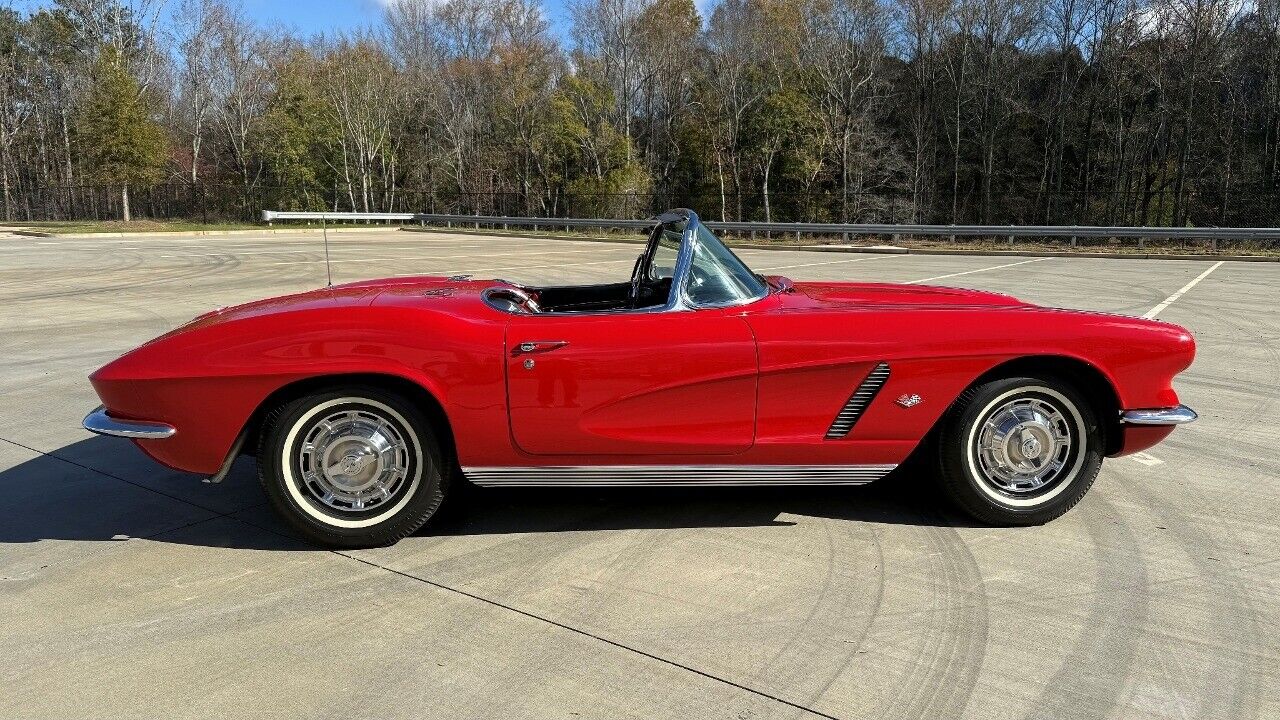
[1067,26]
[364,98]
[921,27]
[845,46]
[735,31]
[132,27]
[193,95]
[668,49]
[15,106]
[609,35]
[1006,32]
[239,84]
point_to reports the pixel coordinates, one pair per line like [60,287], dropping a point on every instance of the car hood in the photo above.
[897,294]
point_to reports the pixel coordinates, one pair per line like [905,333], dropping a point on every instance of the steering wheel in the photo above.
[633,295]
[526,299]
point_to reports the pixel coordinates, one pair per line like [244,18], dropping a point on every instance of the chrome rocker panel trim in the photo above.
[1169,416]
[101,423]
[674,475]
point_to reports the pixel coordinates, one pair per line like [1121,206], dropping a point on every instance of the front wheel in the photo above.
[351,467]
[1019,451]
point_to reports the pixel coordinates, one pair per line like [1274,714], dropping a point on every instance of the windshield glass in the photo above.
[663,264]
[717,276]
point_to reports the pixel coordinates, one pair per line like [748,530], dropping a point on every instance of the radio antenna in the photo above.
[324,228]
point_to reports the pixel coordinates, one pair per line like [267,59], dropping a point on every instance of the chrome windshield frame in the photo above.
[678,300]
[680,279]
[684,258]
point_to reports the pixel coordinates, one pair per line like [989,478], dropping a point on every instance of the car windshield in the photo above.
[716,276]
[663,264]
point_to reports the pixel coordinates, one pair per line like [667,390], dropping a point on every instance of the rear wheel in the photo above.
[1019,451]
[351,467]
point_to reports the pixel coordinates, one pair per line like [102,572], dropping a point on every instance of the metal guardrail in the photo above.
[270,216]
[1074,232]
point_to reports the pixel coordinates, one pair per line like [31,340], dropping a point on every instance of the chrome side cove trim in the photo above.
[101,423]
[1167,416]
[858,402]
[632,475]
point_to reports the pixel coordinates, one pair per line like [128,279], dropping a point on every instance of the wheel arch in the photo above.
[397,384]
[1080,374]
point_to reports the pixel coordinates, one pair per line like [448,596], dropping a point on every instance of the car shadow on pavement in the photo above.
[104,489]
[897,500]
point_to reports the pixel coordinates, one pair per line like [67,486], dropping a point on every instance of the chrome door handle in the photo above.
[537,346]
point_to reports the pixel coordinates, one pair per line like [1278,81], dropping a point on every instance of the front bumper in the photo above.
[101,423]
[1166,416]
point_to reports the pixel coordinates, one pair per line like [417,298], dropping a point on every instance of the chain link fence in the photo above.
[212,202]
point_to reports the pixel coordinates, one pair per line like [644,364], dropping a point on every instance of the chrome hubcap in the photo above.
[353,460]
[1024,445]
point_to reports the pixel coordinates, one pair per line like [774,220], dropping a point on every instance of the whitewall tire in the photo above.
[1019,451]
[349,467]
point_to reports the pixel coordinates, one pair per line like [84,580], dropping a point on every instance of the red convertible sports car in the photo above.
[362,402]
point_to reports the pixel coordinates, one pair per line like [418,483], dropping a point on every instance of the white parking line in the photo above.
[1170,300]
[1147,459]
[970,272]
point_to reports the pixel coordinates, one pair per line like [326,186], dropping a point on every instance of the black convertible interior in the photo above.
[613,296]
[579,298]
[649,286]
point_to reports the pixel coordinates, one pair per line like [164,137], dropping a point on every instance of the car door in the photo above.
[668,383]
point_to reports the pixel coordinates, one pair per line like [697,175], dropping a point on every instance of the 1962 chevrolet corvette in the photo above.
[363,401]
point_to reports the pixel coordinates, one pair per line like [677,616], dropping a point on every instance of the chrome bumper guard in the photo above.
[101,423]
[1168,416]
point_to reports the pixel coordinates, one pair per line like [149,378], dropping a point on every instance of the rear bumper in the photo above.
[1165,416]
[101,423]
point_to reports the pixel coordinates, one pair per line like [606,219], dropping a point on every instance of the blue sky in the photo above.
[309,17]
[314,16]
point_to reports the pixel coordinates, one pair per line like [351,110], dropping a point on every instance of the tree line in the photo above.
[1133,112]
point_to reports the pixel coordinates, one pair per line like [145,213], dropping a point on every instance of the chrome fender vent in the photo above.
[858,401]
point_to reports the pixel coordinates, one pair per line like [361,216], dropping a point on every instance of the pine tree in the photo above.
[122,142]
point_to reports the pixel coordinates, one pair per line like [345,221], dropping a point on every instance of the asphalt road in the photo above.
[130,591]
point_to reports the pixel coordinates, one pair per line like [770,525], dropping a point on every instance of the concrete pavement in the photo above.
[128,590]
